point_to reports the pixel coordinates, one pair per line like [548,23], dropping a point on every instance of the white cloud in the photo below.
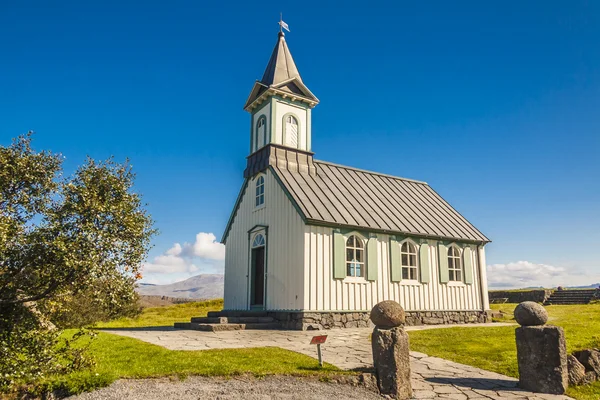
[205,250]
[522,274]
[205,246]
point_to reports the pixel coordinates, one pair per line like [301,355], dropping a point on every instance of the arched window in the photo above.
[454,264]
[291,131]
[260,191]
[261,127]
[355,257]
[408,252]
[259,241]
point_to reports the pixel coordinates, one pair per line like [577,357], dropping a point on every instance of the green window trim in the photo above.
[395,262]
[339,256]
[372,259]
[468,265]
[424,275]
[443,263]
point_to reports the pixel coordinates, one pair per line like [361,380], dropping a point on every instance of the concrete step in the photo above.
[213,314]
[217,327]
[232,327]
[211,320]
[182,325]
[232,320]
[266,326]
[238,314]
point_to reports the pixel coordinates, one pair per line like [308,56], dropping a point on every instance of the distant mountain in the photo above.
[205,286]
[592,286]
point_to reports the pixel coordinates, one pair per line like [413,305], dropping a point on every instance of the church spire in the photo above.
[281,66]
[281,77]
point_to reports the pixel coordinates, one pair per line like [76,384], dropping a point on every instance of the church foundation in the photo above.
[295,320]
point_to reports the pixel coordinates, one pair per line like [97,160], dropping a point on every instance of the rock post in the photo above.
[541,351]
[391,350]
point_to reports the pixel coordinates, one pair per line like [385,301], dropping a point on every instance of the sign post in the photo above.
[319,340]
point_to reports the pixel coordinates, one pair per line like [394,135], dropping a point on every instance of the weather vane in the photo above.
[282,25]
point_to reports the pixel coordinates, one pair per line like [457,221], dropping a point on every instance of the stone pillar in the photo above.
[541,351]
[391,350]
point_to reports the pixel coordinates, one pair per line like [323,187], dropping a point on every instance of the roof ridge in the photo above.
[370,172]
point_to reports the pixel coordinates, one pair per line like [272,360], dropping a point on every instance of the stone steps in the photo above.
[218,321]
[232,320]
[237,314]
[571,297]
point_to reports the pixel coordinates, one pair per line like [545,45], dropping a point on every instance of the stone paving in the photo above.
[432,377]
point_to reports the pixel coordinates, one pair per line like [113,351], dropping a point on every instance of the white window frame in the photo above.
[259,192]
[452,261]
[355,248]
[255,244]
[415,267]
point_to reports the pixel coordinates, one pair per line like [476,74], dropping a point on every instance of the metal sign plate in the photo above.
[318,339]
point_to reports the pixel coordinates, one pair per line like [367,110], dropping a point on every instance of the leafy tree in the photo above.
[62,238]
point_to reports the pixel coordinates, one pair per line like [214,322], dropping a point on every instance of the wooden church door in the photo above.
[257,297]
[257,271]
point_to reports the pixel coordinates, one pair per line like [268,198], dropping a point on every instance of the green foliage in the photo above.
[494,349]
[32,350]
[166,316]
[63,240]
[85,308]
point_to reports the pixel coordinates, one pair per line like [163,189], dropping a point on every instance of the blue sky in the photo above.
[494,104]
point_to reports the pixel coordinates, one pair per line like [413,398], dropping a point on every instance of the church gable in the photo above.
[265,198]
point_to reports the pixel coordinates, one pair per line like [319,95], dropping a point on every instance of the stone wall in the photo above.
[328,320]
[538,295]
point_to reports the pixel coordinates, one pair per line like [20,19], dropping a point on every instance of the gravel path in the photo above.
[246,388]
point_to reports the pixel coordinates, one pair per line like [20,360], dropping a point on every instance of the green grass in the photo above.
[494,349]
[166,316]
[122,357]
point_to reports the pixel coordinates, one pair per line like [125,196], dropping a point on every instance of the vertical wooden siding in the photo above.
[326,293]
[285,250]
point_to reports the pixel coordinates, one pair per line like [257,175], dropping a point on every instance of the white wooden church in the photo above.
[319,244]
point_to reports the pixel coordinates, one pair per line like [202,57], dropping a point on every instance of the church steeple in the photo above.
[281,66]
[280,104]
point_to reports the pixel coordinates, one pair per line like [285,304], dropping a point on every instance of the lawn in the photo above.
[122,357]
[166,316]
[494,349]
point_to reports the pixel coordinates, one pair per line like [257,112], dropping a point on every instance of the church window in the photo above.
[355,257]
[408,255]
[259,241]
[454,264]
[260,191]
[261,138]
[291,131]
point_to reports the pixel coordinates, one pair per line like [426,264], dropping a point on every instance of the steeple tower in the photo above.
[280,105]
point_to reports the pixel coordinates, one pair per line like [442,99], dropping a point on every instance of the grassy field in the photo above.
[166,316]
[494,349]
[121,357]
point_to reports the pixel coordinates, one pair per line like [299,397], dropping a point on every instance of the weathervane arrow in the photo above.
[283,25]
